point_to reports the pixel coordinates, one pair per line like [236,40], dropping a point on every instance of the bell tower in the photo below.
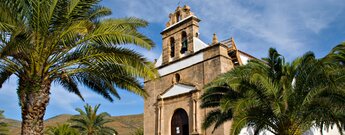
[185,66]
[179,33]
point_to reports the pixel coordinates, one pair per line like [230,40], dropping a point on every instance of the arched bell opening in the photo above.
[184,42]
[172,47]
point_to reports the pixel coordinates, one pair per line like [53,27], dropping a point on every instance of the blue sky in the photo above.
[292,27]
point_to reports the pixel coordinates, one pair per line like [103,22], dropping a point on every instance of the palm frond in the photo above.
[69,84]
[283,98]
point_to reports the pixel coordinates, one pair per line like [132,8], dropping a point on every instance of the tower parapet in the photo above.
[179,14]
[178,36]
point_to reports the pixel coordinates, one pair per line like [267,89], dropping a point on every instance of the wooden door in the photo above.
[179,123]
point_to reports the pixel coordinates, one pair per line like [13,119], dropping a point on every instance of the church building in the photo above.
[185,66]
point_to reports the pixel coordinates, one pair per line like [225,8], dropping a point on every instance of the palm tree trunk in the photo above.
[34,98]
[289,128]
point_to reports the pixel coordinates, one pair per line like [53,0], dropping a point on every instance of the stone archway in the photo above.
[179,123]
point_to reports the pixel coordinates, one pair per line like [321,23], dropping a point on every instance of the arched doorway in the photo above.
[179,123]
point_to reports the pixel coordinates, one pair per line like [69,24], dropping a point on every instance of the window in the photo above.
[184,42]
[172,47]
[177,78]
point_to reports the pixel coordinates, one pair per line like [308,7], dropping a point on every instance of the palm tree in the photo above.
[279,97]
[337,54]
[91,123]
[68,42]
[3,125]
[64,129]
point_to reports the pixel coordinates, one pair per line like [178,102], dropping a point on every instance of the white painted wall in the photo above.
[244,58]
[181,64]
[180,21]
[178,89]
[312,131]
[159,61]
[198,44]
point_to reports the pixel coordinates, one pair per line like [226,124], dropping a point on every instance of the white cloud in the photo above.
[66,102]
[285,25]
[63,99]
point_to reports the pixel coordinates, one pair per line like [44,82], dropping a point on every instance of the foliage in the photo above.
[337,55]
[279,97]
[68,42]
[138,131]
[88,122]
[64,129]
[3,125]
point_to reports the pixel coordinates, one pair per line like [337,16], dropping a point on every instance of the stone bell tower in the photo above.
[178,34]
[185,66]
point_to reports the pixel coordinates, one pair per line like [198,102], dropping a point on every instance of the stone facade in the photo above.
[180,86]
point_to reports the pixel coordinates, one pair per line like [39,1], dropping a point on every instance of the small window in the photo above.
[184,42]
[177,78]
[172,47]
